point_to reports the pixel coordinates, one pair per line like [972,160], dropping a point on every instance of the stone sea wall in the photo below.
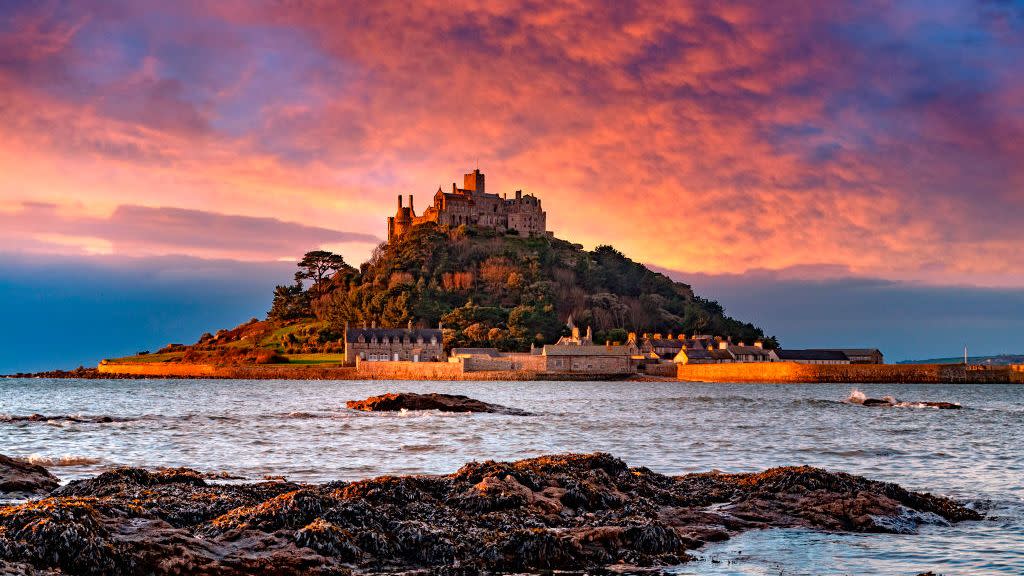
[845,373]
[408,370]
[668,370]
[530,362]
[265,372]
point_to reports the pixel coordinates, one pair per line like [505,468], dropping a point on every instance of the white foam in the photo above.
[50,461]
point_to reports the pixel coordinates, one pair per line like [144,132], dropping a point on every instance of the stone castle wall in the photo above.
[843,373]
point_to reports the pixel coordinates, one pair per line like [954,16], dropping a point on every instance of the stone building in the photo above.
[695,356]
[473,205]
[608,359]
[393,344]
[663,347]
[574,338]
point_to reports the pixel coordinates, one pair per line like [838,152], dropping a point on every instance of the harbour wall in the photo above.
[253,372]
[848,373]
[362,371]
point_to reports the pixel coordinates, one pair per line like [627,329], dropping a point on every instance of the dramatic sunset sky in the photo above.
[840,173]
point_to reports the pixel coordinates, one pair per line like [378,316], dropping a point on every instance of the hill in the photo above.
[997,360]
[486,288]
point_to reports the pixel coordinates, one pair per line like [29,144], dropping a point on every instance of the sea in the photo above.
[301,430]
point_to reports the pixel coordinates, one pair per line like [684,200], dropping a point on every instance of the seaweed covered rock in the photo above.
[566,512]
[444,402]
[21,479]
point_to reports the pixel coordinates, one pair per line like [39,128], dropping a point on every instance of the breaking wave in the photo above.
[50,461]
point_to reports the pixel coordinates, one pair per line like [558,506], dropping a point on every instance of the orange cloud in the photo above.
[713,138]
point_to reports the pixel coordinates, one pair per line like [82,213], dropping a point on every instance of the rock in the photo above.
[23,479]
[942,405]
[577,512]
[443,402]
[858,397]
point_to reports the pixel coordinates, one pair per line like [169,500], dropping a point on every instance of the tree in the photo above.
[319,266]
[290,302]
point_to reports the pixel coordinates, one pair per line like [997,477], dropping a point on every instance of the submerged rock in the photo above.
[23,479]
[443,402]
[567,512]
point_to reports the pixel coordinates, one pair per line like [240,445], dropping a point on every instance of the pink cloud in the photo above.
[140,230]
[718,138]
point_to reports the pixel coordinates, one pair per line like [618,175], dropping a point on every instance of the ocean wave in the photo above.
[419,447]
[57,461]
[58,418]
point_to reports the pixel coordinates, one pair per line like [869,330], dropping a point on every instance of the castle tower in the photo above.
[402,220]
[474,181]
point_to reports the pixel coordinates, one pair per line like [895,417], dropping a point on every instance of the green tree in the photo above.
[318,266]
[290,302]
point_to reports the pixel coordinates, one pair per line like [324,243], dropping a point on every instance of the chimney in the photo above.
[608,345]
[410,325]
[519,195]
[670,336]
[682,336]
[741,343]
[722,345]
[657,336]
[373,324]
[590,335]
[399,202]
[410,203]
[758,344]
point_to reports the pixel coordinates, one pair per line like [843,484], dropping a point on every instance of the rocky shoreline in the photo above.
[567,512]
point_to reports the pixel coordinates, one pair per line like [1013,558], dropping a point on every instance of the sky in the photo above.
[840,172]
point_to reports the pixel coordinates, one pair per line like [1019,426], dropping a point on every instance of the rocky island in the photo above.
[442,402]
[566,512]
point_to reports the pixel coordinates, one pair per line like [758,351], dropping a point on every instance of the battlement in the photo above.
[471,205]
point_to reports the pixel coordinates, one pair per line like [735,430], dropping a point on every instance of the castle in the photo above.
[472,205]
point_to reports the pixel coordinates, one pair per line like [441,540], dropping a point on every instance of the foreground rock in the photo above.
[442,402]
[858,397]
[570,512]
[20,479]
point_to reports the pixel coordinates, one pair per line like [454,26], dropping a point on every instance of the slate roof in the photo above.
[859,351]
[667,343]
[353,334]
[749,350]
[811,354]
[697,354]
[718,354]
